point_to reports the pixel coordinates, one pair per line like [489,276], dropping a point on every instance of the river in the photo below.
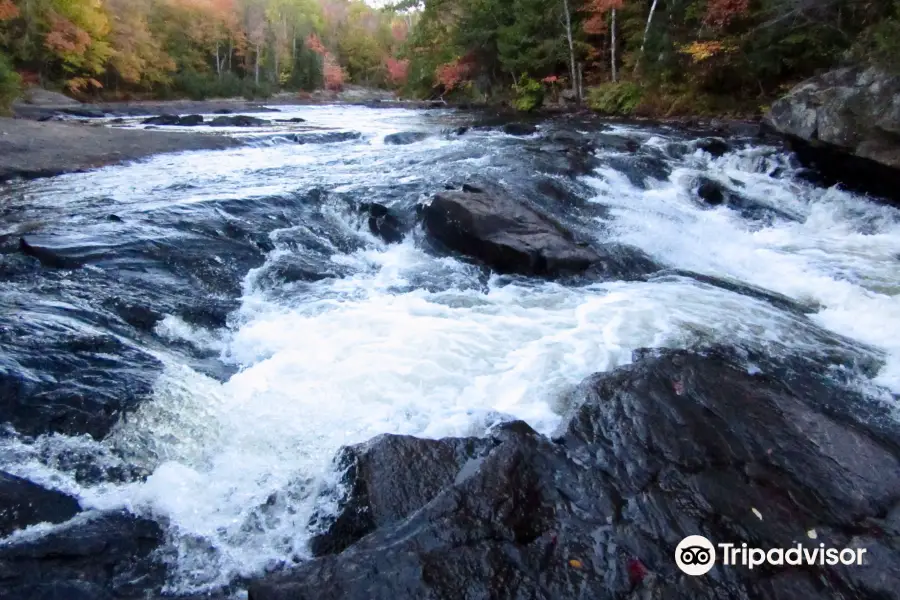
[254,325]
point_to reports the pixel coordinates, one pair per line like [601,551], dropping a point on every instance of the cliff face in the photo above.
[855,110]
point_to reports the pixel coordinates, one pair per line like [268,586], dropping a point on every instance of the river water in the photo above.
[312,333]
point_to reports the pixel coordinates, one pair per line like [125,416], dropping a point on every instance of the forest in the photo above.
[654,57]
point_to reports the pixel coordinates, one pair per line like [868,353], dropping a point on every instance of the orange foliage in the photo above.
[66,37]
[8,10]
[315,44]
[596,9]
[334,74]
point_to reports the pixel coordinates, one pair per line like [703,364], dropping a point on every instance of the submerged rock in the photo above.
[23,503]
[519,129]
[384,223]
[679,443]
[405,138]
[325,137]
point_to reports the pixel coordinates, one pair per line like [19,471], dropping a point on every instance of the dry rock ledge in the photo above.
[30,149]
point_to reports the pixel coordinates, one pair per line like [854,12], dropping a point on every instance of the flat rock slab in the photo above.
[30,149]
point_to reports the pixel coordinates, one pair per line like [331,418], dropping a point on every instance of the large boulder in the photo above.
[510,236]
[680,443]
[852,110]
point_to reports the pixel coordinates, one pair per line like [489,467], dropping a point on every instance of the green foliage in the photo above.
[10,84]
[880,43]
[201,86]
[529,95]
[615,98]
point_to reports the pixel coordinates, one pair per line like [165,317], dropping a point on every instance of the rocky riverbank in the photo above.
[29,149]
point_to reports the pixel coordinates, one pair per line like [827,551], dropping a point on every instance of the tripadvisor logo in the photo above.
[696,555]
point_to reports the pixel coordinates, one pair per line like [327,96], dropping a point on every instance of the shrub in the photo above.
[200,86]
[615,98]
[529,94]
[10,85]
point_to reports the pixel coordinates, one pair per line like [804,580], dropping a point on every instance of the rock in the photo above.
[54,258]
[404,138]
[238,121]
[95,379]
[223,111]
[190,121]
[509,236]
[83,113]
[37,96]
[506,235]
[678,443]
[520,129]
[716,193]
[23,503]
[326,137]
[711,192]
[716,147]
[384,223]
[415,470]
[107,556]
[162,120]
[854,110]
[616,142]
[293,120]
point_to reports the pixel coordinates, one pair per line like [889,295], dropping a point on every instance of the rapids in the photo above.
[256,325]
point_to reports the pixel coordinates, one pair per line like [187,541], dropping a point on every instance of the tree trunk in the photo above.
[256,78]
[230,52]
[646,33]
[218,62]
[612,48]
[571,49]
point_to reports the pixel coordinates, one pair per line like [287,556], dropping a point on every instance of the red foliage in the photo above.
[451,74]
[66,37]
[315,44]
[550,80]
[8,10]
[597,9]
[398,70]
[719,13]
[334,74]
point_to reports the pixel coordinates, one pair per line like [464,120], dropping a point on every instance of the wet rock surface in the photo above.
[678,443]
[404,138]
[238,121]
[103,556]
[23,503]
[510,236]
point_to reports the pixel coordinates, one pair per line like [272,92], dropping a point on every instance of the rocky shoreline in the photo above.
[29,149]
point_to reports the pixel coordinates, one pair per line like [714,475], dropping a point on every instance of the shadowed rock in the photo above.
[23,503]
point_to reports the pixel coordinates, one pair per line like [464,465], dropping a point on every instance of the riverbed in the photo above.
[222,322]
